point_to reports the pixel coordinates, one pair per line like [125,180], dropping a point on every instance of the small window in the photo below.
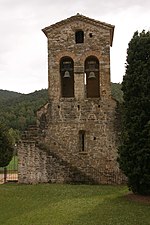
[79,36]
[82,140]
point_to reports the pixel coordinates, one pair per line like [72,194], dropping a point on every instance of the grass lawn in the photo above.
[13,165]
[56,204]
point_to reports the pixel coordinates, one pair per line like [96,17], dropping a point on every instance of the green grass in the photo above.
[13,165]
[48,204]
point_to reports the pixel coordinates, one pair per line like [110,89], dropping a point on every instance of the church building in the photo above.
[75,139]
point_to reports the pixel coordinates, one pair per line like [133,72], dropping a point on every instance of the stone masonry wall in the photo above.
[99,122]
[32,163]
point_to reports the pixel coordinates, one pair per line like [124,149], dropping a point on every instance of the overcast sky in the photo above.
[23,46]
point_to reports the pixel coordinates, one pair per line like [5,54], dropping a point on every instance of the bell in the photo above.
[67,74]
[91,75]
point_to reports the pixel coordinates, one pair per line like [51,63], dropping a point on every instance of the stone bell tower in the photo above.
[79,58]
[80,142]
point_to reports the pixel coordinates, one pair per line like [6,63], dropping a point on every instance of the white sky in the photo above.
[23,46]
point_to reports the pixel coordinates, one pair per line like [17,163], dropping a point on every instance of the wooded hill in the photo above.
[18,110]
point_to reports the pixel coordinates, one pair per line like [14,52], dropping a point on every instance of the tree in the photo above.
[117,92]
[134,151]
[6,147]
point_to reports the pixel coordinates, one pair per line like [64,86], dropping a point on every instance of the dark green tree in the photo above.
[134,151]
[6,147]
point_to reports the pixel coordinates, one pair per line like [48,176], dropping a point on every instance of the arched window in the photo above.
[67,76]
[79,36]
[92,77]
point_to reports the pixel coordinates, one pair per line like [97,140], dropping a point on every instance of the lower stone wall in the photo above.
[31,163]
[51,151]
[40,165]
[36,165]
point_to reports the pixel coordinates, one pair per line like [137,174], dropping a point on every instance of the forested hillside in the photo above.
[8,95]
[17,110]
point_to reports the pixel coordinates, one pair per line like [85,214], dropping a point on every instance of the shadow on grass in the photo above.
[69,205]
[115,211]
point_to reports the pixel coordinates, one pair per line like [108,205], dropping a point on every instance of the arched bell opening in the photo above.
[67,76]
[92,77]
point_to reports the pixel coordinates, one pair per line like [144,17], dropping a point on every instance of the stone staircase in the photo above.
[73,173]
[75,168]
[33,133]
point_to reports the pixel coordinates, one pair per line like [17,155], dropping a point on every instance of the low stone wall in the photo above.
[31,164]
[37,164]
